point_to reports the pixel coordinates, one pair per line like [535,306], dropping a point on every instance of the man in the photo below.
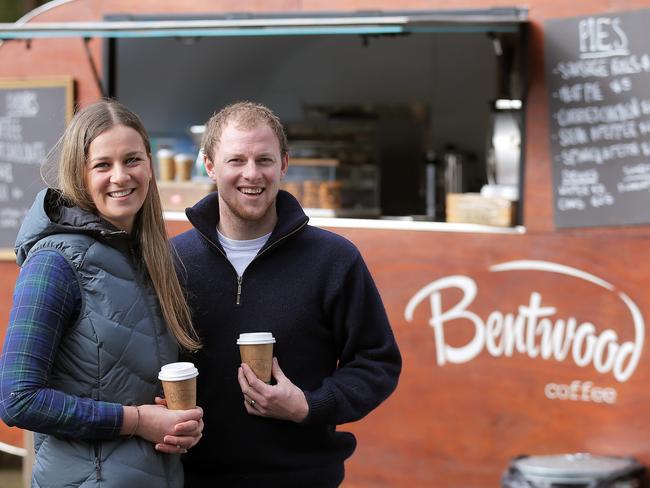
[253,264]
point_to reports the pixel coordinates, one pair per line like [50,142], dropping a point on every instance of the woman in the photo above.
[97,311]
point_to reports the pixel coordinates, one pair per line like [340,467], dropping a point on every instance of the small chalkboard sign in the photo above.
[598,78]
[33,115]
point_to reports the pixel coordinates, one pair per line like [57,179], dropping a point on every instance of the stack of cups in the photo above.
[166,164]
[179,385]
[256,350]
[184,163]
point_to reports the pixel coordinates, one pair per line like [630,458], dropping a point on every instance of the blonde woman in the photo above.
[97,311]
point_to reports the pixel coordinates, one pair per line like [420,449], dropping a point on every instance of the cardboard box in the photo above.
[474,208]
[176,196]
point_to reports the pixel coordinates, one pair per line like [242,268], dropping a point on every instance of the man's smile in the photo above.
[251,191]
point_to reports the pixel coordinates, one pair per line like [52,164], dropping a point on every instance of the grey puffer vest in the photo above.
[112,353]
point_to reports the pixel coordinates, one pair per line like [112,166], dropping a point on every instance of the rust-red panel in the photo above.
[458,424]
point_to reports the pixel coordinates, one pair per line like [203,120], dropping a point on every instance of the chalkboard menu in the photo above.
[598,77]
[33,115]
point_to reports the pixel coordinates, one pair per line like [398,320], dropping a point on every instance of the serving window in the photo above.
[415,115]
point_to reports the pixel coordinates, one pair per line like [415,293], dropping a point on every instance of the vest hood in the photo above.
[49,215]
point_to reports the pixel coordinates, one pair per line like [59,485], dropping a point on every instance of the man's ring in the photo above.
[178,446]
[252,402]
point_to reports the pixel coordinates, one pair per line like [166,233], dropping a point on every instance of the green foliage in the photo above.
[12,10]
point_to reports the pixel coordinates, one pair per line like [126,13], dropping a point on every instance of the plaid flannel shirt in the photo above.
[47,299]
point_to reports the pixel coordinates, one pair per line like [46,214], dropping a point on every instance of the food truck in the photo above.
[489,160]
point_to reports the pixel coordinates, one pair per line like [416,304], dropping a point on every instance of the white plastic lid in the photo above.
[185,157]
[165,153]
[256,338]
[177,372]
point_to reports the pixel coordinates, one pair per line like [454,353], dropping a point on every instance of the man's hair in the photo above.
[244,115]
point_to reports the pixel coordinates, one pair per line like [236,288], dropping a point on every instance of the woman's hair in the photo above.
[148,228]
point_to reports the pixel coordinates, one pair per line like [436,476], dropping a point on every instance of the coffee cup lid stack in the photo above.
[178,372]
[165,153]
[180,157]
[256,338]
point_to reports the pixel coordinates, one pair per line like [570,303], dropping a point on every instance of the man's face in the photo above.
[247,168]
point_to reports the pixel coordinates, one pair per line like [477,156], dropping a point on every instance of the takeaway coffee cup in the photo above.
[184,163]
[179,384]
[166,164]
[256,350]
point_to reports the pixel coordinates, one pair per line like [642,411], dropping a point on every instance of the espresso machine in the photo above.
[504,150]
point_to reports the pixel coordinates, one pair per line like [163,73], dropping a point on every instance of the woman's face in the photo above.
[117,175]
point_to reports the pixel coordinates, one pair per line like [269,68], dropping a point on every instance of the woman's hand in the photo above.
[186,433]
[172,431]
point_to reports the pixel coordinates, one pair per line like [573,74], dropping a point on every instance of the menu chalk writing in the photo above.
[33,115]
[598,78]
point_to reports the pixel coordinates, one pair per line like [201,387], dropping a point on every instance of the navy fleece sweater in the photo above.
[312,290]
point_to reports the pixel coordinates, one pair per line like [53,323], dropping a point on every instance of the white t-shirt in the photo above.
[241,253]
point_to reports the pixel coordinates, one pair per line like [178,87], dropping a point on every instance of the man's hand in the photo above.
[284,400]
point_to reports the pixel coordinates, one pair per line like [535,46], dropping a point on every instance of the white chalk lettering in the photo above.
[10,129]
[599,155]
[23,152]
[581,92]
[6,173]
[587,68]
[571,204]
[630,65]
[605,114]
[613,132]
[22,104]
[601,36]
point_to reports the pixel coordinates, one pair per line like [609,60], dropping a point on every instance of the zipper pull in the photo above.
[98,469]
[238,290]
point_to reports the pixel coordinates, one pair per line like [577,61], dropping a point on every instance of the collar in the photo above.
[204,216]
